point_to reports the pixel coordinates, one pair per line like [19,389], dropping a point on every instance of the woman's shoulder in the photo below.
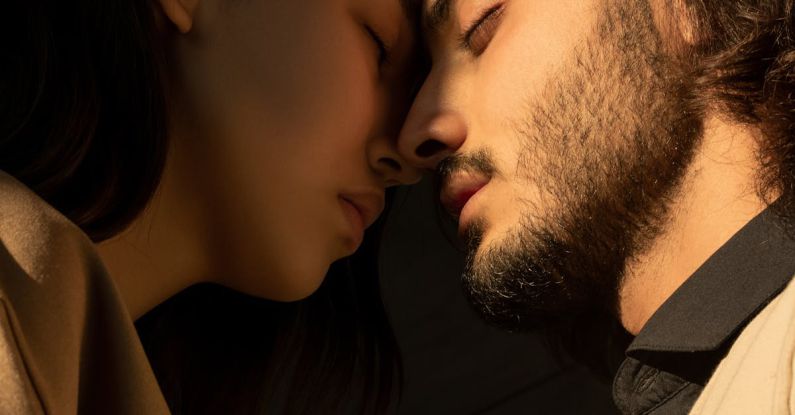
[48,266]
[31,227]
[45,259]
[35,238]
[65,325]
[42,295]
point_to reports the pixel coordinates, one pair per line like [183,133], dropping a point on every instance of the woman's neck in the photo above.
[163,251]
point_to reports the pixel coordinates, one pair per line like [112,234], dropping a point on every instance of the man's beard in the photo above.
[607,145]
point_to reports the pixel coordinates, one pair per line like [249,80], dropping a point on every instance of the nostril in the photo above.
[392,164]
[430,148]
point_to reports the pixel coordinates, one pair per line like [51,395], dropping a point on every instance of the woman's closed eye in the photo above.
[381,48]
[477,37]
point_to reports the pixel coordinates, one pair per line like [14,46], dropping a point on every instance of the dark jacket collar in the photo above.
[725,293]
[672,358]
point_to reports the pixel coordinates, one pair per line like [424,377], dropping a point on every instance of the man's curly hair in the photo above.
[743,62]
[737,60]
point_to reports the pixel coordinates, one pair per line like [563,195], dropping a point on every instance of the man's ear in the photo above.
[687,22]
[678,25]
[180,12]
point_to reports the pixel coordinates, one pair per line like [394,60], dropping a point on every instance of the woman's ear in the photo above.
[180,12]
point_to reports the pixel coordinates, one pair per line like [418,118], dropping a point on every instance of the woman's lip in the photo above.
[362,209]
[369,204]
[355,218]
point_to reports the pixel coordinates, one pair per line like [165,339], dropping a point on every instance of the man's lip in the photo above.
[458,188]
[368,204]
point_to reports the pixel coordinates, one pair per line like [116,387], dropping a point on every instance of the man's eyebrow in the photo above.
[436,16]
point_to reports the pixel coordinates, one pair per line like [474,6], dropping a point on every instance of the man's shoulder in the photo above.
[756,375]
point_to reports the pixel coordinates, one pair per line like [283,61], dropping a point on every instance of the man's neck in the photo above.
[718,197]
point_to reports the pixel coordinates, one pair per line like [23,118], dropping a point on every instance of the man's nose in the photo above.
[433,130]
[429,142]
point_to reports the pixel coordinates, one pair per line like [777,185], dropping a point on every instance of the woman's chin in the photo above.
[288,285]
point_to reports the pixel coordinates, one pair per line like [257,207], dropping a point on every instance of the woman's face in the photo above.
[283,130]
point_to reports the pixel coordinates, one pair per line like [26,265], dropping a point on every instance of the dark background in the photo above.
[454,363]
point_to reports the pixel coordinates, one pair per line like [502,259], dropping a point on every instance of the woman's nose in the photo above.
[390,165]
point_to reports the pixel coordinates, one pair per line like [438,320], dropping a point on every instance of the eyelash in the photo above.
[482,26]
[383,50]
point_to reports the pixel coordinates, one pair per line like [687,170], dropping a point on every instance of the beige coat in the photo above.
[67,343]
[755,377]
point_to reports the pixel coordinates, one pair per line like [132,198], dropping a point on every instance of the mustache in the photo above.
[480,162]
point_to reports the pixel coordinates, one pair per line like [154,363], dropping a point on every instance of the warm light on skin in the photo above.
[278,108]
[719,198]
[489,94]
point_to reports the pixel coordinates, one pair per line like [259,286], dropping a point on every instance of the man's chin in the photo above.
[504,298]
[481,237]
[506,309]
[527,280]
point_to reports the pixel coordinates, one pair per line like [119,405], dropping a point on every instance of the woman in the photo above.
[149,145]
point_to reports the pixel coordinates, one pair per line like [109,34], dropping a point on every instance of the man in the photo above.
[625,160]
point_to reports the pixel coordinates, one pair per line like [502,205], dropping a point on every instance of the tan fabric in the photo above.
[67,344]
[756,376]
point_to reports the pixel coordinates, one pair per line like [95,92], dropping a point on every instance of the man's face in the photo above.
[569,131]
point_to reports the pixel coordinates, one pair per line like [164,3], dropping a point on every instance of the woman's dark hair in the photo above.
[83,119]
[83,123]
